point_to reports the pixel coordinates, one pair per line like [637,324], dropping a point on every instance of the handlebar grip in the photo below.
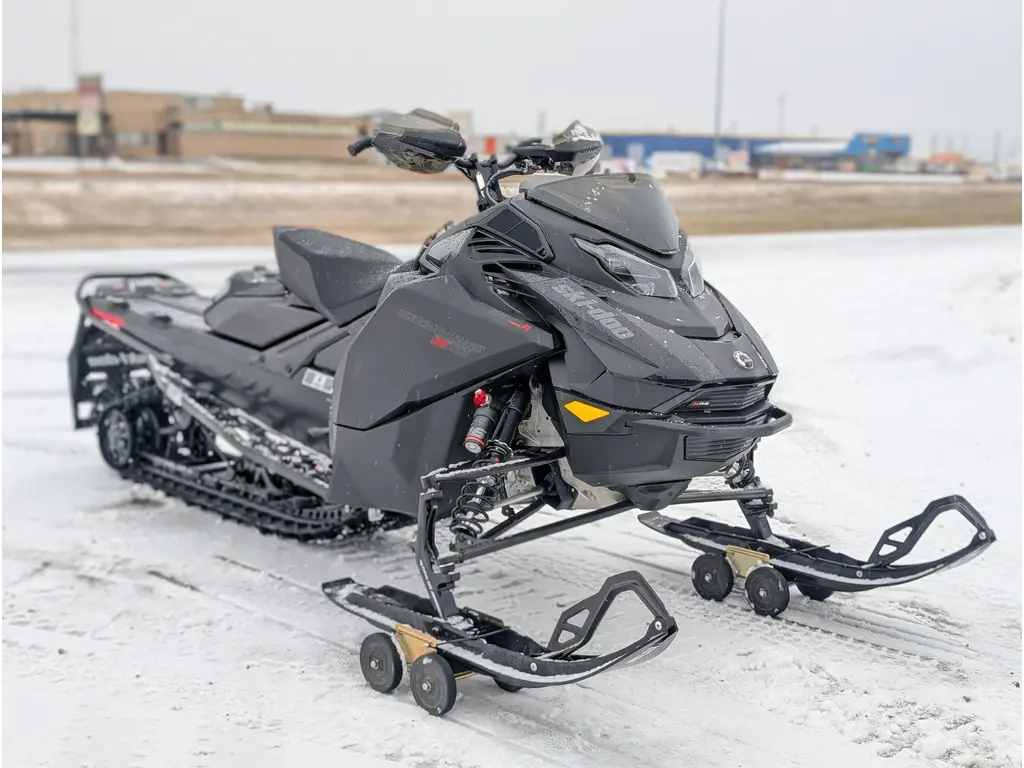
[360,146]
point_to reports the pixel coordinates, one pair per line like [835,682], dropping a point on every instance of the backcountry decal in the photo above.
[442,337]
[116,359]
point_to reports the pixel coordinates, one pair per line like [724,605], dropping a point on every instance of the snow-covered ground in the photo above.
[51,165]
[140,632]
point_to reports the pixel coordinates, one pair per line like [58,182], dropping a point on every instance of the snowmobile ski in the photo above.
[471,642]
[769,563]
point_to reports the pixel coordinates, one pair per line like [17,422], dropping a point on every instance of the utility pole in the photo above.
[720,75]
[75,69]
[782,115]
[541,123]
[997,141]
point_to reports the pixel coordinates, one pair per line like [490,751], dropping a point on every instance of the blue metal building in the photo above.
[864,152]
[640,146]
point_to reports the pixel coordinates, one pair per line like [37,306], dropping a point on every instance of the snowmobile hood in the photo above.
[634,348]
[628,205]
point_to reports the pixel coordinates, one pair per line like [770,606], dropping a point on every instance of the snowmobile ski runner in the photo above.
[558,349]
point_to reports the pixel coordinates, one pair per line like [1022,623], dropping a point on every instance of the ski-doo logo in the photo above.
[442,337]
[592,307]
[743,360]
[113,359]
[322,382]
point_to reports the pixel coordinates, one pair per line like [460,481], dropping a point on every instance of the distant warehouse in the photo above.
[95,122]
[861,152]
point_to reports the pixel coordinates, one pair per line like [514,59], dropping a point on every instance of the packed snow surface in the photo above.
[137,631]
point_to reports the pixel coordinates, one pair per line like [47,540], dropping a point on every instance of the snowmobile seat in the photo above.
[339,278]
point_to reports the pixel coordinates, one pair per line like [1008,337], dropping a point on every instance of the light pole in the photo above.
[74,42]
[75,71]
[719,76]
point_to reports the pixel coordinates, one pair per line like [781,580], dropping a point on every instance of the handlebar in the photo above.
[492,169]
[361,145]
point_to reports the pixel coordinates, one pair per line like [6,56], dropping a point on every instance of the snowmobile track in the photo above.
[179,481]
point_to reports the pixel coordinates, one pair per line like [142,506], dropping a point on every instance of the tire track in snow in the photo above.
[549,711]
[907,631]
[866,713]
[550,579]
[906,639]
[869,714]
[220,597]
[899,638]
[828,620]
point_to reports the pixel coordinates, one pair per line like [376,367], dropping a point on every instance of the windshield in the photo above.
[628,205]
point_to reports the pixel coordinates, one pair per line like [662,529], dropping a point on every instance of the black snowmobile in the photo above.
[558,349]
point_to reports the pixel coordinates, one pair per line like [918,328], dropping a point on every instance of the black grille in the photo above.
[481,242]
[726,397]
[711,449]
[516,229]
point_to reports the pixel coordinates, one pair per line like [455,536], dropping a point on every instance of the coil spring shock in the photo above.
[481,495]
[741,474]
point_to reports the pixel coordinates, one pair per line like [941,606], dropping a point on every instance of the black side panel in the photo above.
[99,367]
[621,460]
[382,467]
[258,322]
[330,358]
[428,339]
[338,277]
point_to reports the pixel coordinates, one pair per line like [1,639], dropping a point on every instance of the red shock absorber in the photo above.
[481,496]
[484,418]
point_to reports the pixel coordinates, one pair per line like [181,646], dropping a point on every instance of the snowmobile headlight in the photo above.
[640,276]
[691,273]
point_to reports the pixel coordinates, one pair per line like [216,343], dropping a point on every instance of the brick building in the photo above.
[95,122]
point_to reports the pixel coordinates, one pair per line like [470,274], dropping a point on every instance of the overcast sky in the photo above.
[943,70]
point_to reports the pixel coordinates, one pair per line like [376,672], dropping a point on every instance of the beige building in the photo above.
[138,124]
